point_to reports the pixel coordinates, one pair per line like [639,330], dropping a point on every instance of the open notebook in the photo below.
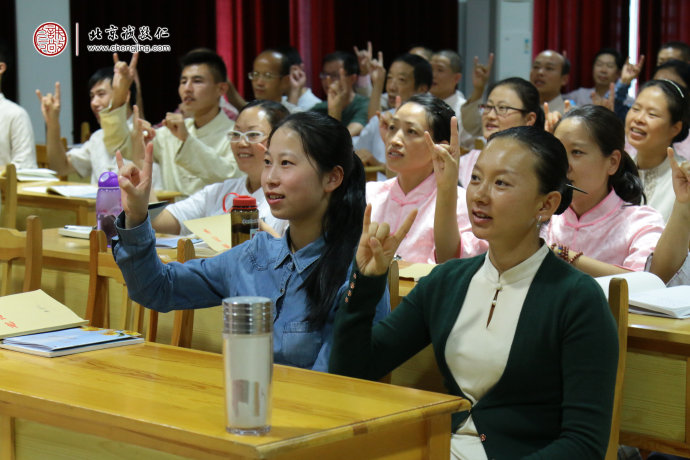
[650,296]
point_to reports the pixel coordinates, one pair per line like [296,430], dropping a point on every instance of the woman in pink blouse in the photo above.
[607,223]
[408,154]
[511,102]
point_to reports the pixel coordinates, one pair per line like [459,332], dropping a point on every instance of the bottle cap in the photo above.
[244,201]
[108,179]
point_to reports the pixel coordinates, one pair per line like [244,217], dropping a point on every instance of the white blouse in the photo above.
[477,352]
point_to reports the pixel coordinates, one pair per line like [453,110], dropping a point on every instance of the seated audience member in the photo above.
[339,73]
[446,68]
[414,187]
[511,102]
[422,51]
[606,70]
[670,260]
[312,179]
[270,77]
[298,95]
[192,152]
[679,73]
[255,122]
[97,154]
[408,75]
[550,72]
[526,338]
[607,223]
[673,50]
[16,134]
[657,119]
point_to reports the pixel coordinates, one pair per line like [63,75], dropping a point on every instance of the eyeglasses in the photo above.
[252,137]
[501,110]
[264,75]
[334,76]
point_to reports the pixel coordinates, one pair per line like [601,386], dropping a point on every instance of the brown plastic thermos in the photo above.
[244,219]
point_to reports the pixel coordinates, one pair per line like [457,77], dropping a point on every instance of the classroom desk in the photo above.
[656,393]
[72,254]
[133,401]
[84,208]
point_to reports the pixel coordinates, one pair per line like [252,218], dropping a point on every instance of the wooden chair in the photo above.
[42,156]
[618,302]
[102,268]
[8,194]
[19,245]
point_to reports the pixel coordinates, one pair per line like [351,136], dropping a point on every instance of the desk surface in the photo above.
[172,399]
[73,253]
[84,208]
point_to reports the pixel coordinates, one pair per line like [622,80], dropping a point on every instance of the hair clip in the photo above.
[675,85]
[575,188]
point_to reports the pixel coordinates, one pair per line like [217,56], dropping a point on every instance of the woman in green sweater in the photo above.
[525,337]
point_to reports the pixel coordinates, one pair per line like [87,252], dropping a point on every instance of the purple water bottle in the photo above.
[108,203]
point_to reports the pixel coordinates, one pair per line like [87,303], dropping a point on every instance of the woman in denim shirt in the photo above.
[311,178]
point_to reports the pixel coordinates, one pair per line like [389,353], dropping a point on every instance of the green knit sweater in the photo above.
[555,397]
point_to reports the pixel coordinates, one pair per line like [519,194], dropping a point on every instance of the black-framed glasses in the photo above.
[501,110]
[265,75]
[252,137]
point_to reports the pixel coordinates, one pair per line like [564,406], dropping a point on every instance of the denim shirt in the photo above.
[263,266]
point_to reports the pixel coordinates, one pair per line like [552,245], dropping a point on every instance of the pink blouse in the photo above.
[613,231]
[391,205]
[466,165]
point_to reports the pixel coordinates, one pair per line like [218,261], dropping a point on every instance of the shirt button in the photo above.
[482,437]
[352,285]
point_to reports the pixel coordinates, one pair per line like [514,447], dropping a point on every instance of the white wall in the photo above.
[503,27]
[36,71]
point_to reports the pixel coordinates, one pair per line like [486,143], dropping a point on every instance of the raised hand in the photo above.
[606,102]
[378,71]
[481,73]
[377,245]
[364,57]
[298,78]
[385,121]
[445,158]
[338,95]
[552,118]
[123,76]
[681,177]
[142,134]
[631,71]
[50,104]
[175,123]
[135,187]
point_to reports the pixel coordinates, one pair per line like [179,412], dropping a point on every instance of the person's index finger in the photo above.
[40,96]
[370,48]
[406,226]
[546,108]
[57,90]
[476,61]
[367,218]
[148,160]
[671,158]
[133,62]
[116,58]
[454,133]
[491,62]
[118,159]
[429,142]
[356,50]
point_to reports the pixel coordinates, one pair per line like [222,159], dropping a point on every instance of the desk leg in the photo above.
[438,435]
[6,437]
[82,216]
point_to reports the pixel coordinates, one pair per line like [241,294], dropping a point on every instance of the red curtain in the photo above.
[580,28]
[662,21]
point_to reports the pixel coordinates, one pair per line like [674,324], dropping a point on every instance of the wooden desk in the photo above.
[153,397]
[656,393]
[84,208]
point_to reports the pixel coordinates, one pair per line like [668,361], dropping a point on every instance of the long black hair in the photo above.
[607,131]
[529,96]
[328,144]
[552,160]
[677,101]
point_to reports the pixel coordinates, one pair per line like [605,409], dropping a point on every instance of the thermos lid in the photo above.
[247,315]
[108,179]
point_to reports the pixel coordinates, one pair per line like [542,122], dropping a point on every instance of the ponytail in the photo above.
[626,181]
